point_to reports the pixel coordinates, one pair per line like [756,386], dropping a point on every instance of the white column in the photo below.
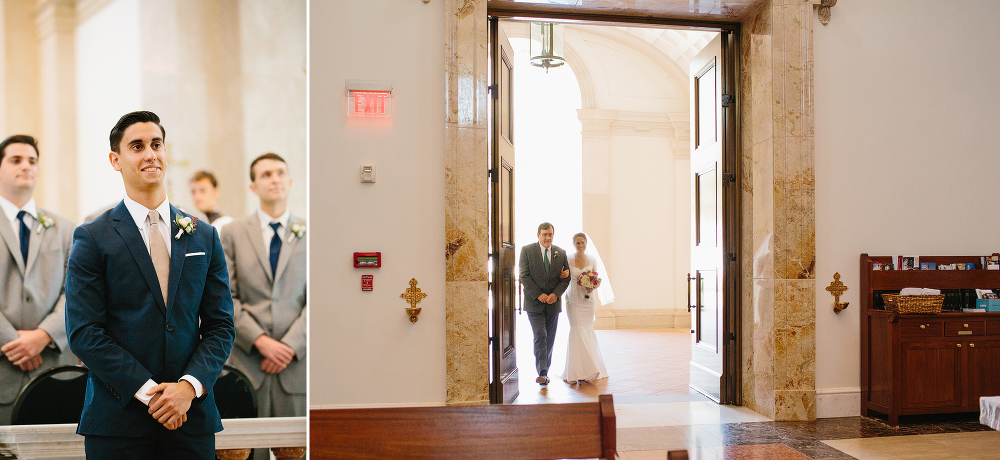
[596,132]
[56,190]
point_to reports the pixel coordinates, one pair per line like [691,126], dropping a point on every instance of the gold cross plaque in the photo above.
[837,289]
[413,296]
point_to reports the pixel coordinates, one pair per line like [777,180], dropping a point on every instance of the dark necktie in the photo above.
[547,263]
[25,237]
[275,248]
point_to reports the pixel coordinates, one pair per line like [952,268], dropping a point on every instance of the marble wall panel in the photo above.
[466,201]
[797,179]
[467,204]
[796,69]
[794,405]
[795,335]
[466,62]
[468,359]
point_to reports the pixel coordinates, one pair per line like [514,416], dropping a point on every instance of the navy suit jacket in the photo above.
[119,326]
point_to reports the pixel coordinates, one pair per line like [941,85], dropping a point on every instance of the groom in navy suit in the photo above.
[149,311]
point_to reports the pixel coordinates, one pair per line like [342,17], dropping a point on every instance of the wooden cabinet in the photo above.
[926,364]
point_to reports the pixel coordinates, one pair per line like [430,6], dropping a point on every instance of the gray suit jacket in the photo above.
[536,282]
[276,307]
[31,297]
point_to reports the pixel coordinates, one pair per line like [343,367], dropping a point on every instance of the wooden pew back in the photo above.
[579,430]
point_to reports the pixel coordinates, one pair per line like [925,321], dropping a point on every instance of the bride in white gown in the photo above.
[583,355]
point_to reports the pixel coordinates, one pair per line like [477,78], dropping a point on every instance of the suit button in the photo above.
[170,328]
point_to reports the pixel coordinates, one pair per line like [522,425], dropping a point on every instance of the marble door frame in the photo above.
[778,207]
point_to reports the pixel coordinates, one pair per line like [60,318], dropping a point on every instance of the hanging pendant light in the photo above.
[547,45]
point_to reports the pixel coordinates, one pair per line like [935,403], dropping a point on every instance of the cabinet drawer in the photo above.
[964,327]
[912,329]
[993,327]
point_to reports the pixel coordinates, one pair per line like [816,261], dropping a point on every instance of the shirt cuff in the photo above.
[199,389]
[141,394]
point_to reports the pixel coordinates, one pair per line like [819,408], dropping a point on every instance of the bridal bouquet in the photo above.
[588,279]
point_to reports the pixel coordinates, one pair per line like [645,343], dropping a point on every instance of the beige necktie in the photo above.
[158,252]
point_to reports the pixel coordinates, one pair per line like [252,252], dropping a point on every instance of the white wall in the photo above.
[906,153]
[363,349]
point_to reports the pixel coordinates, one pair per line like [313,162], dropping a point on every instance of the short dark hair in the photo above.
[266,156]
[130,119]
[546,226]
[18,139]
[205,175]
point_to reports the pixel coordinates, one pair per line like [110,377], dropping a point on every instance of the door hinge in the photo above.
[494,91]
[732,337]
[728,178]
[493,177]
[731,257]
[728,99]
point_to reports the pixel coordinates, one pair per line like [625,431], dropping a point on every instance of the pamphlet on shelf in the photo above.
[928,266]
[993,262]
[974,310]
[909,262]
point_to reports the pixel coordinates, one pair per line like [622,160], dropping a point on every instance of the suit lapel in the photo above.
[287,249]
[256,237]
[126,228]
[178,251]
[35,241]
[12,245]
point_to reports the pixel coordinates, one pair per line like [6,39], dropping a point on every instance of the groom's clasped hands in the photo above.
[171,402]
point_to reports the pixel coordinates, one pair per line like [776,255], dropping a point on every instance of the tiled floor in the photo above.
[656,412]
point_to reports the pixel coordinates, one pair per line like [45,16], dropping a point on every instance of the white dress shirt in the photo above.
[267,232]
[10,210]
[140,215]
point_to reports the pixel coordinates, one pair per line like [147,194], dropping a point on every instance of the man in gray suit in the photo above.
[544,272]
[36,246]
[266,254]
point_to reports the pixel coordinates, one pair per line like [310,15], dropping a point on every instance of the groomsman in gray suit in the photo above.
[266,254]
[544,272]
[36,246]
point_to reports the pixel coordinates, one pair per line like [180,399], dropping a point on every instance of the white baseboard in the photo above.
[838,402]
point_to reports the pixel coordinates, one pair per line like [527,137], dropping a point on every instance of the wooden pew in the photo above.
[578,430]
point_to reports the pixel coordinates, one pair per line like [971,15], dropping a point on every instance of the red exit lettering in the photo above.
[370,103]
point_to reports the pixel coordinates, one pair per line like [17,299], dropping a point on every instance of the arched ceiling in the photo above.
[669,51]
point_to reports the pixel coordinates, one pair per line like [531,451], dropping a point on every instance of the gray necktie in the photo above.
[158,252]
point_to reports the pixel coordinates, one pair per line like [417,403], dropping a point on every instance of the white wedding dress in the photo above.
[583,354]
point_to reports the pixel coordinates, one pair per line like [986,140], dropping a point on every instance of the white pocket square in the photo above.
[190,254]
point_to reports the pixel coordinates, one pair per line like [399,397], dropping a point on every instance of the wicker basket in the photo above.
[905,304]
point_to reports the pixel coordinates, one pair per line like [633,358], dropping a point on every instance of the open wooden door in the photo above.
[713,281]
[503,282]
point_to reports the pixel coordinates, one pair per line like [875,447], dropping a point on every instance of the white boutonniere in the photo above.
[555,253]
[186,225]
[298,229]
[45,222]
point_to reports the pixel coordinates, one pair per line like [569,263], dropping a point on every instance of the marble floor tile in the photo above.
[967,446]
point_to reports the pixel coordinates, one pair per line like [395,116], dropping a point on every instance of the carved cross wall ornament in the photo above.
[413,296]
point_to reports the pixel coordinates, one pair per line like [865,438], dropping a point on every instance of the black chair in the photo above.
[54,396]
[234,394]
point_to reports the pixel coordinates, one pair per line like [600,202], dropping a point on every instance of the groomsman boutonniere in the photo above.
[186,225]
[298,229]
[45,222]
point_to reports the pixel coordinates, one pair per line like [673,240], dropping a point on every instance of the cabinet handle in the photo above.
[923,326]
[959,345]
[966,325]
[972,345]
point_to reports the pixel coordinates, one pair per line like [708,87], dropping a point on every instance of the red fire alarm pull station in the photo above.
[367,282]
[367,259]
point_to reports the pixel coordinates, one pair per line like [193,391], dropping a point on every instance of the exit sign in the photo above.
[370,104]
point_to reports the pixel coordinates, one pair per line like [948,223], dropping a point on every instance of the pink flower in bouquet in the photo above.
[589,280]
